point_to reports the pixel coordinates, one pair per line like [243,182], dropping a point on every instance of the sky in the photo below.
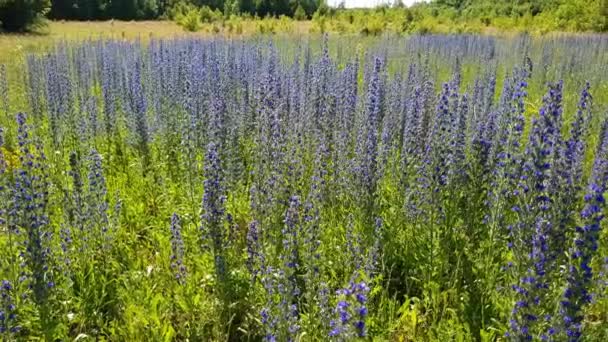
[367,3]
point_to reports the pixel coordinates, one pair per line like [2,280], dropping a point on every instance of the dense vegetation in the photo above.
[428,188]
[20,15]
[563,15]
[439,16]
[151,9]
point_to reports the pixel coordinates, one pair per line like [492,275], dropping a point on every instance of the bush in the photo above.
[323,9]
[206,14]
[231,7]
[215,29]
[285,24]
[209,16]
[339,27]
[235,25]
[238,26]
[23,15]
[299,14]
[178,10]
[319,23]
[423,29]
[191,21]
[373,27]
[406,22]
[266,25]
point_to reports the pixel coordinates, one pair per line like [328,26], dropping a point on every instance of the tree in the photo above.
[322,8]
[457,4]
[300,13]
[603,20]
[22,15]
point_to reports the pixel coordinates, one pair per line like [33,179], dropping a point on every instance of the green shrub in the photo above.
[234,24]
[339,26]
[423,29]
[285,24]
[191,21]
[300,13]
[238,27]
[210,16]
[23,15]
[266,26]
[323,9]
[207,15]
[406,22]
[260,27]
[373,27]
[231,7]
[319,23]
[178,10]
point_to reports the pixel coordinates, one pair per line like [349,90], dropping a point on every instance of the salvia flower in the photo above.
[536,221]
[437,150]
[4,104]
[29,213]
[97,202]
[77,210]
[255,255]
[350,313]
[213,209]
[567,180]
[368,151]
[177,250]
[586,243]
[9,324]
[412,132]
[4,193]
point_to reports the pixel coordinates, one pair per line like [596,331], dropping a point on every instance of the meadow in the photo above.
[162,186]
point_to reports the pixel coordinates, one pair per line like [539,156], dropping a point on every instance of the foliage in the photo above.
[563,15]
[440,16]
[150,9]
[373,27]
[191,20]
[22,15]
[235,25]
[473,17]
[106,9]
[299,13]
[266,26]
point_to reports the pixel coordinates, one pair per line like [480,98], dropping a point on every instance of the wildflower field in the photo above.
[419,188]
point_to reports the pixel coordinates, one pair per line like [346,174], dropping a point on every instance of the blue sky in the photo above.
[367,3]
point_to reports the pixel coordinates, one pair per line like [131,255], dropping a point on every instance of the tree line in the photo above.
[568,15]
[576,15]
[153,9]
[19,15]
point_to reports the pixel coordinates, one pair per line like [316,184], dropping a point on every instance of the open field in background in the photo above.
[216,186]
[13,46]
[290,34]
